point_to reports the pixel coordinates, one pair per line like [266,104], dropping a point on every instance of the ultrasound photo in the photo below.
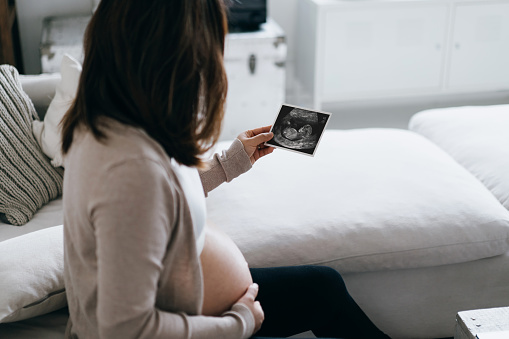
[298,129]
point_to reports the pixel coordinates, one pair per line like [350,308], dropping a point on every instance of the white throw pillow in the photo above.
[32,274]
[476,137]
[370,200]
[48,133]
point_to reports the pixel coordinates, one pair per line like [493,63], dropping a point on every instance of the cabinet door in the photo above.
[480,51]
[385,50]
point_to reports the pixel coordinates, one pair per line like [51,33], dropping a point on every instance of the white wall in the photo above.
[30,16]
[285,14]
[32,12]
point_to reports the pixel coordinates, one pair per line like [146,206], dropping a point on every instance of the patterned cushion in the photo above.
[27,179]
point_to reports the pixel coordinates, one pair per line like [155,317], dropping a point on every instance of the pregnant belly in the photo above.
[226,275]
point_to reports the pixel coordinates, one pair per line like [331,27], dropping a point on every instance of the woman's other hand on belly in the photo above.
[248,299]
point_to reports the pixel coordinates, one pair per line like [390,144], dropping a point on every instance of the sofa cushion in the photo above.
[32,280]
[476,137]
[373,199]
[27,179]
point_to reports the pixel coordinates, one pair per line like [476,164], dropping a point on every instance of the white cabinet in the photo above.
[480,46]
[255,67]
[376,50]
[401,48]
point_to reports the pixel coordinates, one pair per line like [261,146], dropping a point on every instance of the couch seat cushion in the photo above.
[476,137]
[49,215]
[373,199]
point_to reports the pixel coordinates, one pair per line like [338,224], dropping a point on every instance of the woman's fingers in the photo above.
[263,151]
[248,299]
[252,291]
[253,142]
[259,130]
[261,138]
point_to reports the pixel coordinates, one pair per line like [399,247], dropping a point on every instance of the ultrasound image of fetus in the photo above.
[299,129]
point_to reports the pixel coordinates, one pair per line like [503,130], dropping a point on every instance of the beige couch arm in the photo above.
[41,89]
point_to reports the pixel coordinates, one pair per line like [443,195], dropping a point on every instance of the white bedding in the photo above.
[370,200]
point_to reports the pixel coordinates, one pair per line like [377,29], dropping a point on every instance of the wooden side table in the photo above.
[10,47]
[491,323]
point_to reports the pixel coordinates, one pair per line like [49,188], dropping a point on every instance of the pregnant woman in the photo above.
[140,261]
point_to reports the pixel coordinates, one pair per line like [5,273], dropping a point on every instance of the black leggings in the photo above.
[309,298]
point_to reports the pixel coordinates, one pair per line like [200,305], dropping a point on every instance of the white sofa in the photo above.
[416,221]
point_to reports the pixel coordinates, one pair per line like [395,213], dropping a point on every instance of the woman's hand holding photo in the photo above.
[253,141]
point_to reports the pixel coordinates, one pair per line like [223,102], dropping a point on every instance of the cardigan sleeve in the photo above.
[134,215]
[225,167]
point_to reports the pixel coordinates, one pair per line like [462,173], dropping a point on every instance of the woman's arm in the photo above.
[225,167]
[135,214]
[239,158]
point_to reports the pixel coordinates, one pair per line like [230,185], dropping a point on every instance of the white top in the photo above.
[190,181]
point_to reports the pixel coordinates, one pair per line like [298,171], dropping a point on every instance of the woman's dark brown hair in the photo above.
[157,65]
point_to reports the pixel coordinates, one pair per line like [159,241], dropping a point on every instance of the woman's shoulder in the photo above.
[125,156]
[127,159]
[121,143]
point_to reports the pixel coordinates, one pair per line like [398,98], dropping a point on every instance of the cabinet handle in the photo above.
[252,63]
[280,54]
[45,49]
